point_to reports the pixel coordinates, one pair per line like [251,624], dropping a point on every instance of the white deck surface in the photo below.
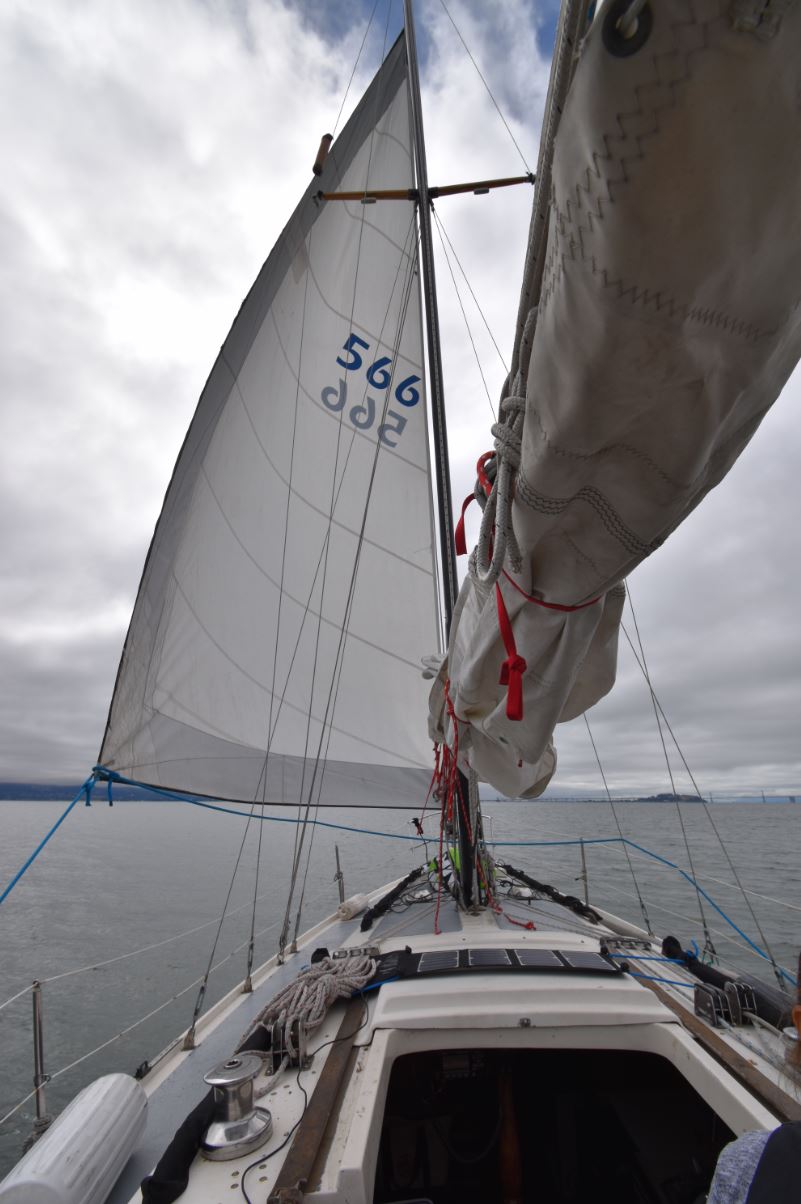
[486,1009]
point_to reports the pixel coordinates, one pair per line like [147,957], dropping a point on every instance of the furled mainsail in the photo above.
[666,325]
[290,589]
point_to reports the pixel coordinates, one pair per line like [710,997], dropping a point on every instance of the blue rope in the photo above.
[689,878]
[100,772]
[786,975]
[531,843]
[671,982]
[85,791]
[172,796]
[630,957]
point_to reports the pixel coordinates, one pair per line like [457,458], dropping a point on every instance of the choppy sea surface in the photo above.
[154,876]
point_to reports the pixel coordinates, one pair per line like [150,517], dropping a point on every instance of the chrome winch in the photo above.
[238,1126]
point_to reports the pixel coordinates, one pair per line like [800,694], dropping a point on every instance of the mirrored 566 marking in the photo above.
[379,376]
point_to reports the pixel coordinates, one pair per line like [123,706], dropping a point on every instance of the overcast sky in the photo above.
[152,153]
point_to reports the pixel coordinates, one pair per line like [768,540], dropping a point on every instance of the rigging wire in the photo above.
[486,85]
[190,1037]
[261,784]
[708,814]
[464,315]
[128,1029]
[323,560]
[640,899]
[406,294]
[252,941]
[355,65]
[599,841]
[734,886]
[18,995]
[301,832]
[717,932]
[286,522]
[444,234]
[134,952]
[709,947]
[335,490]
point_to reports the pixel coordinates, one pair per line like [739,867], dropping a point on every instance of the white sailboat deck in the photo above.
[481,1010]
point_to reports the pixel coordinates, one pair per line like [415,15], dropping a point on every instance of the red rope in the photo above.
[437,929]
[459,537]
[514,666]
[446,787]
[549,605]
[495,906]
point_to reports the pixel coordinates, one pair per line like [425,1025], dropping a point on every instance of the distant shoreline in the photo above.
[43,792]
[38,792]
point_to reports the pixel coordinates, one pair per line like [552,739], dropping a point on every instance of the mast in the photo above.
[450,581]
[447,546]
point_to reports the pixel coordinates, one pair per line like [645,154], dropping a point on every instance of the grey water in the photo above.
[154,876]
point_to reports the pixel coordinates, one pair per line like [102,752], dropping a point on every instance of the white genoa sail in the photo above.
[290,588]
[663,302]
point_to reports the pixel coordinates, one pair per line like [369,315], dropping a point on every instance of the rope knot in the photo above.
[512,671]
[514,664]
[513,668]
[494,490]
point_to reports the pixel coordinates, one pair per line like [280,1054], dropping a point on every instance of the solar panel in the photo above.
[488,957]
[587,961]
[538,959]
[430,963]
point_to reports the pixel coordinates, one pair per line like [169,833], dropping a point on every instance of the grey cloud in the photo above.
[144,196]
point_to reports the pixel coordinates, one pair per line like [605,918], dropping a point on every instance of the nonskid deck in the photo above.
[480,1008]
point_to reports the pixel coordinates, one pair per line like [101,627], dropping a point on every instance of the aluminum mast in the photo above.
[467,872]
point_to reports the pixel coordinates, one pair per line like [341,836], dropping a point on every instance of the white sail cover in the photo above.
[290,590]
[668,322]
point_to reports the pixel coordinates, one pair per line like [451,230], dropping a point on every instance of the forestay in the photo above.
[667,324]
[290,589]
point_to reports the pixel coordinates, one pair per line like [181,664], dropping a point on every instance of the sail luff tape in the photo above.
[322,153]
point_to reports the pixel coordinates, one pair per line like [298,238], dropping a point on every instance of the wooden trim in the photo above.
[380,194]
[299,1162]
[778,1101]
[411,194]
[479,186]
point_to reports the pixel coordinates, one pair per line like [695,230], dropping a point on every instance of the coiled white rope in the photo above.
[497,540]
[307,999]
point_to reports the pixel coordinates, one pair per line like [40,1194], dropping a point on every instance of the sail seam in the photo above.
[258,752]
[555,507]
[595,188]
[302,497]
[232,661]
[300,834]
[604,452]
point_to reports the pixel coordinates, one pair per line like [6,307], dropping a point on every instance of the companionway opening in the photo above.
[544,1126]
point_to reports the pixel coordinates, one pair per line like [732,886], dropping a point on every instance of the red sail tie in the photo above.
[459,538]
[514,666]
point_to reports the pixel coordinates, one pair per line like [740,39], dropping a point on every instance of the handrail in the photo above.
[129,1028]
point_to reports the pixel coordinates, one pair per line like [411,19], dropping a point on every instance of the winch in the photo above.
[238,1126]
